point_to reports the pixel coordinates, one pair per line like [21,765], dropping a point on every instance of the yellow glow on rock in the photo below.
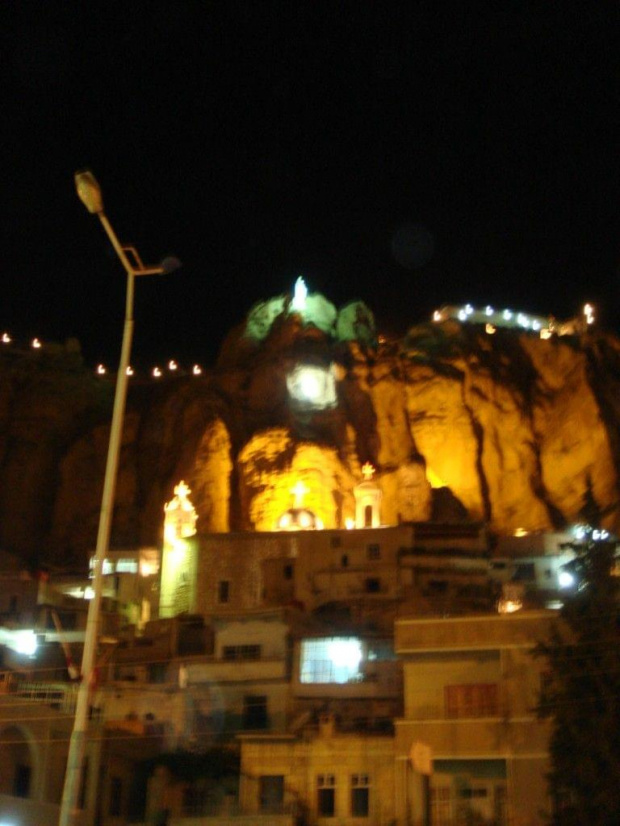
[271,464]
[434,479]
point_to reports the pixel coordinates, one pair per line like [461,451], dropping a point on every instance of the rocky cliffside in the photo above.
[507,428]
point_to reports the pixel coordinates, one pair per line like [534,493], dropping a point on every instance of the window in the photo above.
[241,652]
[524,572]
[194,801]
[470,794]
[271,792]
[255,712]
[441,806]
[223,591]
[374,551]
[344,560]
[116,793]
[472,700]
[158,672]
[368,516]
[373,585]
[335,542]
[359,795]
[288,572]
[127,566]
[326,795]
[21,780]
[331,660]
[83,784]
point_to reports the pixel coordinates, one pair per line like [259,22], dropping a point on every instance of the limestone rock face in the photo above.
[507,428]
[270,466]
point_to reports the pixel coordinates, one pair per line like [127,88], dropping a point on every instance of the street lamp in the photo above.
[89,193]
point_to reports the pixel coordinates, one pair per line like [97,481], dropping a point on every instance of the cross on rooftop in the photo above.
[182,490]
[368,471]
[299,490]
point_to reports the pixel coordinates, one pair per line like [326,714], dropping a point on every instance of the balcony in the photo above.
[486,631]
[61,696]
[482,737]
[227,670]
[199,669]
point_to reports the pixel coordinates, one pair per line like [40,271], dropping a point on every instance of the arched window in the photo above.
[368,516]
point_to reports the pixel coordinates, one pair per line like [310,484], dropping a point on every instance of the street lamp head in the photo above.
[89,191]
[170,264]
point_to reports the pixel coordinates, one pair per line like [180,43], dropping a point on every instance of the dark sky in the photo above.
[259,141]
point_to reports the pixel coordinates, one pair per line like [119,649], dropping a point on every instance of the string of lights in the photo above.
[544,326]
[171,368]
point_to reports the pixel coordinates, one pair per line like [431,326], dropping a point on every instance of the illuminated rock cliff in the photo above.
[508,428]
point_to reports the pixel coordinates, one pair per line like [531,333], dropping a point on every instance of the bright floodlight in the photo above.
[89,191]
[25,642]
[566,579]
[312,386]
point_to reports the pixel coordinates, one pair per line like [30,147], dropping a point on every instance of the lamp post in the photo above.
[89,193]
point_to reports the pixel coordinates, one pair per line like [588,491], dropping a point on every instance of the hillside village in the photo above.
[344,637]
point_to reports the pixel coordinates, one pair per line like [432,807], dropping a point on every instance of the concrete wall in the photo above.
[528,790]
[300,762]
[522,629]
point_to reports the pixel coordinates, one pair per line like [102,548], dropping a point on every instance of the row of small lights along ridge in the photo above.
[545,326]
[172,366]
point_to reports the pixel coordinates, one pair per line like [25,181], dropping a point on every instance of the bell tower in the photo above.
[367,500]
[178,570]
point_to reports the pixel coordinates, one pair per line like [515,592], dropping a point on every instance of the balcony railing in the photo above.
[62,696]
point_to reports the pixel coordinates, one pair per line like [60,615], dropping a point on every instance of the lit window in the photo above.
[331,660]
[360,795]
[107,567]
[326,795]
[127,566]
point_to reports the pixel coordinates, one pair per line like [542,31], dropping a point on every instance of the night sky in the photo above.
[408,154]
